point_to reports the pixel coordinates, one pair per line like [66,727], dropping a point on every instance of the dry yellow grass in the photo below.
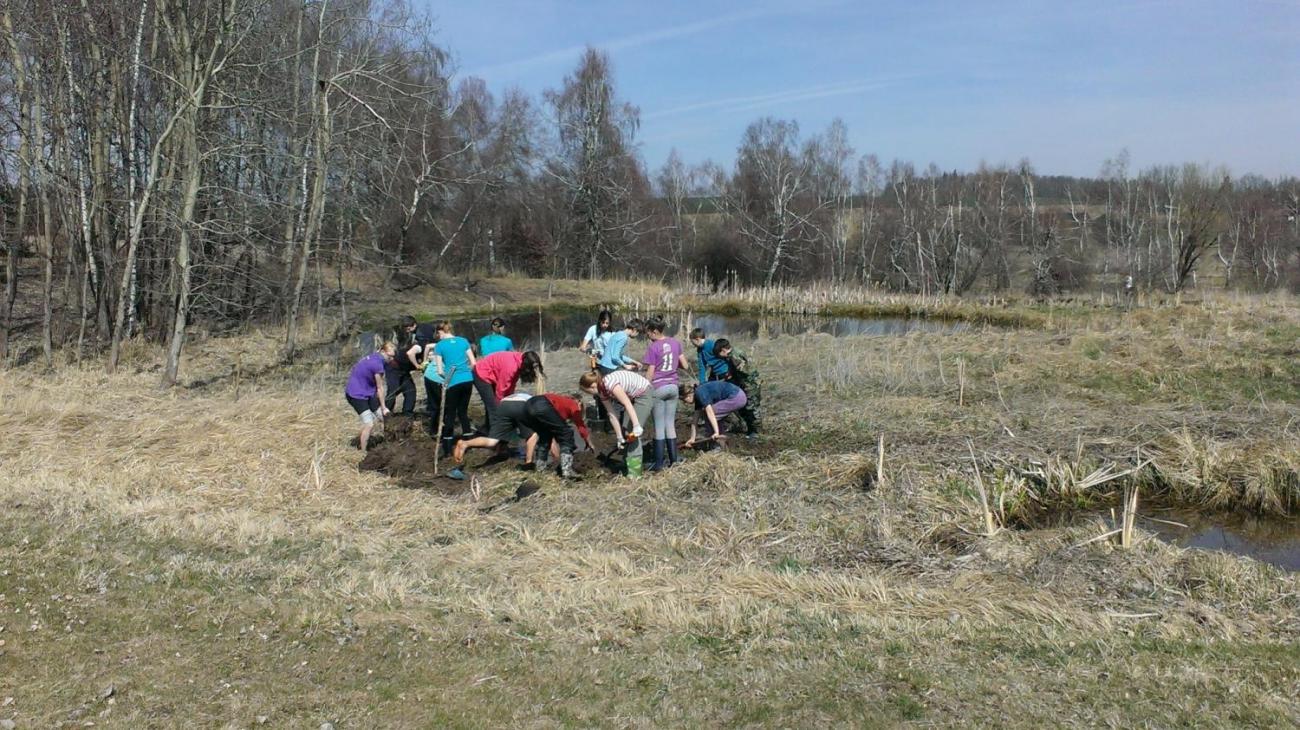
[222,535]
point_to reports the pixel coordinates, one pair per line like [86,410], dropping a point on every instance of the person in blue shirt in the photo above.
[613,358]
[710,366]
[496,340]
[593,343]
[713,401]
[449,383]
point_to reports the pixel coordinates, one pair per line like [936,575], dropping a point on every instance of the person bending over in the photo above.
[627,396]
[615,357]
[713,401]
[496,376]
[548,416]
[707,362]
[398,371]
[507,421]
[365,390]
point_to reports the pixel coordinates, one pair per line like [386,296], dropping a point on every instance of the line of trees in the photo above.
[169,163]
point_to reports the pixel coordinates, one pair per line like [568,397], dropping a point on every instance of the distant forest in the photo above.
[168,163]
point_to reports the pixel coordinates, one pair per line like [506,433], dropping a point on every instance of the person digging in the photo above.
[548,416]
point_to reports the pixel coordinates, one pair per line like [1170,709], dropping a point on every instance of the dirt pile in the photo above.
[404,452]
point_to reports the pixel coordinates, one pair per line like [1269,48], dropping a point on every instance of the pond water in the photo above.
[563,329]
[1270,540]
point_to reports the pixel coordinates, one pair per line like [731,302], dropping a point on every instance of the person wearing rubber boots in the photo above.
[664,358]
[627,396]
[741,373]
[549,416]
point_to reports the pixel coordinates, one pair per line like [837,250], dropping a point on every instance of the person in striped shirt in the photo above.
[548,416]
[627,396]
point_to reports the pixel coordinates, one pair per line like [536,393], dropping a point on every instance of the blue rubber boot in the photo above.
[660,448]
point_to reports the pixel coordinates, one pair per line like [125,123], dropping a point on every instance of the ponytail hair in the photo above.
[531,367]
[445,326]
[589,380]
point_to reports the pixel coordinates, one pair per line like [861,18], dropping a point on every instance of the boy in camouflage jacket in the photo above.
[745,376]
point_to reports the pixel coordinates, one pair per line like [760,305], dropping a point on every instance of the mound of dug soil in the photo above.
[404,452]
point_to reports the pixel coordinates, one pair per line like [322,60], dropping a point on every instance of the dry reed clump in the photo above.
[855,301]
[1171,592]
[1177,469]
[1261,476]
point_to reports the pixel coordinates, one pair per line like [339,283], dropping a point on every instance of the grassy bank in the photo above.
[212,555]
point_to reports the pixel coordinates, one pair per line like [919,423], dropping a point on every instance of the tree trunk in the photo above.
[184,267]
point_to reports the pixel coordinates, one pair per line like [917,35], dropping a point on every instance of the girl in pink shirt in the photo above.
[496,376]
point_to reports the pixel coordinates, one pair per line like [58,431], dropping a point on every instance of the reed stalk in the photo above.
[990,526]
[880,461]
[442,417]
[961,383]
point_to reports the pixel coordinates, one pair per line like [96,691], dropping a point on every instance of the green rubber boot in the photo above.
[634,466]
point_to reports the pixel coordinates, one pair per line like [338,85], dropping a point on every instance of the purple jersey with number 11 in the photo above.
[662,355]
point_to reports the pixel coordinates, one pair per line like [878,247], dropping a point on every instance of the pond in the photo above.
[1270,540]
[564,329]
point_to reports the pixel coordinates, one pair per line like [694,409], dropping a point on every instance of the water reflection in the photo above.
[1270,540]
[566,329]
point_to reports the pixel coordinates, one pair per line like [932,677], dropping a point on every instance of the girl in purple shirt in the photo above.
[663,357]
[365,389]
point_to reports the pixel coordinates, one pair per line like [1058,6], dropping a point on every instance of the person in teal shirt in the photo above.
[449,383]
[711,366]
[496,340]
[614,359]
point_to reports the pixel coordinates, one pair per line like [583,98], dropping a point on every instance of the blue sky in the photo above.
[1065,84]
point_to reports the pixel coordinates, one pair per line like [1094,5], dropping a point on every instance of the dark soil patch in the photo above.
[404,453]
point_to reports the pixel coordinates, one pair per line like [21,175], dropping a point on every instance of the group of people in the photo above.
[630,394]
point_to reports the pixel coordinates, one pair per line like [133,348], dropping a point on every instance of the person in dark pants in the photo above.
[449,364]
[508,419]
[741,373]
[398,373]
[549,416]
[496,376]
[365,391]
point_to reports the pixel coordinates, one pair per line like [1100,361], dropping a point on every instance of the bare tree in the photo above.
[593,161]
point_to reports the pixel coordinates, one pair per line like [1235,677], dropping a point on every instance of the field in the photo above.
[213,556]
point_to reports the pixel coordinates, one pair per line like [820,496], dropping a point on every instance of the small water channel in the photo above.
[1271,540]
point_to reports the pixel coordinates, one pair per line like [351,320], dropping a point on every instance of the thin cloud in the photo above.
[759,101]
[618,44]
